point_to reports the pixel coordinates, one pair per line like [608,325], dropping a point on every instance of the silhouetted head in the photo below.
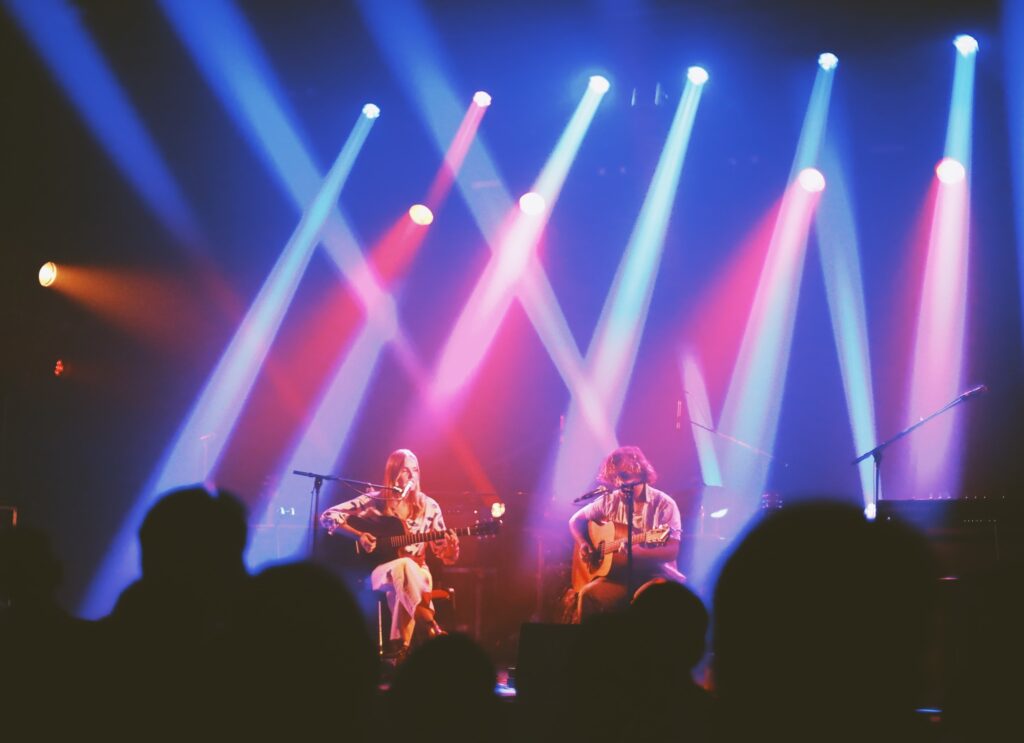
[298,656]
[194,536]
[820,610]
[673,619]
[450,680]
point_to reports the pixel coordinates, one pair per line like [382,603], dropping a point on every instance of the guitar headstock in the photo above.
[486,528]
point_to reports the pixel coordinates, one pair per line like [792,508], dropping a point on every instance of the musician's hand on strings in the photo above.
[586,550]
[367,542]
[449,552]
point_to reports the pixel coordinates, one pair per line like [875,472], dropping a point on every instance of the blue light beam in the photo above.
[60,38]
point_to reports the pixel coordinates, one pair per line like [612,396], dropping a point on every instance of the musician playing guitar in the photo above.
[599,569]
[405,577]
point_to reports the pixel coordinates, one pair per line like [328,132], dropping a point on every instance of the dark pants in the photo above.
[602,594]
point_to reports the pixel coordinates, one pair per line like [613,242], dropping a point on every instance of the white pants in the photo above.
[404,581]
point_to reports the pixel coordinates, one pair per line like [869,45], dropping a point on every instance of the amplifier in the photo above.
[967,534]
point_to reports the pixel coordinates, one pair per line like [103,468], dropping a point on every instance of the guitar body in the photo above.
[383,528]
[599,564]
[607,539]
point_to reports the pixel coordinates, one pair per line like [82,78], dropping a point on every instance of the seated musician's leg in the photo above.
[601,595]
[406,582]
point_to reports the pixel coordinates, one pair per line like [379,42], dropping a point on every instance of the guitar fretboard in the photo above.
[404,540]
[613,545]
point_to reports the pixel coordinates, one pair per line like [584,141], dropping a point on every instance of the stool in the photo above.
[384,613]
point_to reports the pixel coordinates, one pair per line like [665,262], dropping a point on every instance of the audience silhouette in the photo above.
[297,659]
[162,630]
[986,633]
[445,691]
[821,626]
[44,649]
[669,624]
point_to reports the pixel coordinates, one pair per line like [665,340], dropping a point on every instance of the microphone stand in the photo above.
[876,453]
[628,493]
[318,481]
[738,442]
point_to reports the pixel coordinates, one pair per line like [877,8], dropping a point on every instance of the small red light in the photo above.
[58,368]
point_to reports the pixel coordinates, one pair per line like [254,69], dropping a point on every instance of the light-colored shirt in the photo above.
[652,509]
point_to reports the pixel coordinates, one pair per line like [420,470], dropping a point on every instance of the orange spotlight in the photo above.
[421,214]
[58,368]
[48,273]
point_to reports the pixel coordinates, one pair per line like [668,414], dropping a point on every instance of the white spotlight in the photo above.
[950,171]
[966,45]
[697,75]
[48,274]
[371,111]
[532,203]
[482,99]
[421,214]
[811,180]
[599,84]
[827,61]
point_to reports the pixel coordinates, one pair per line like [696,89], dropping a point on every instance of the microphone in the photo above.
[599,490]
[981,389]
[385,492]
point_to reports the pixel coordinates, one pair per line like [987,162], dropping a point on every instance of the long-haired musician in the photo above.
[406,579]
[599,530]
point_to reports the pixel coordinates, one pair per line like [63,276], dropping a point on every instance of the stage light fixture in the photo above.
[966,45]
[697,75]
[532,203]
[599,84]
[950,171]
[371,111]
[48,273]
[482,99]
[828,61]
[421,214]
[811,180]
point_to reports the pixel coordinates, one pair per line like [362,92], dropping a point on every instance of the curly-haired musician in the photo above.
[599,530]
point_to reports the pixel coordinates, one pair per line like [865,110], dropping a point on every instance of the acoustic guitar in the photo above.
[608,538]
[392,536]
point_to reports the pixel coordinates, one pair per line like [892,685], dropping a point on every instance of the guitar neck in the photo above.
[613,545]
[404,540]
